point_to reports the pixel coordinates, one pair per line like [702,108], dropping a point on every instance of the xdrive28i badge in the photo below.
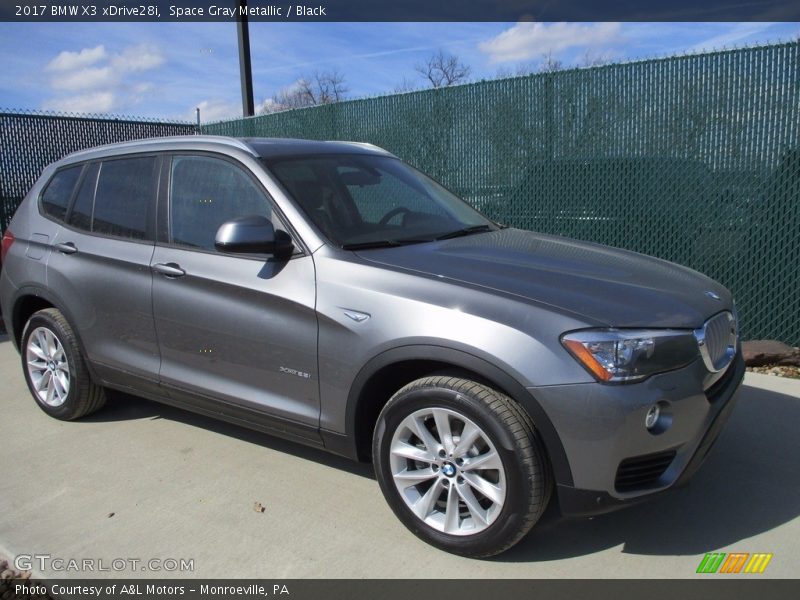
[294,372]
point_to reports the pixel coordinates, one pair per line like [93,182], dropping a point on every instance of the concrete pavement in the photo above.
[182,486]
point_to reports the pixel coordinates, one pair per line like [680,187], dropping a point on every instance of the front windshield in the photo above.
[358,201]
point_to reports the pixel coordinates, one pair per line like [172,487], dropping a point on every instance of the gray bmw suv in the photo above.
[329,293]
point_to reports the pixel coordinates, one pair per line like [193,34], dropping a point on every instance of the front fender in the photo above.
[474,364]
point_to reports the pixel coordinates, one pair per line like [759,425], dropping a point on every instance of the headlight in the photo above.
[625,355]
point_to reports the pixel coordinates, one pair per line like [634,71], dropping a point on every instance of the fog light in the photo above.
[651,418]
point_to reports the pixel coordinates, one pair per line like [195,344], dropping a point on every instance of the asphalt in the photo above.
[139,480]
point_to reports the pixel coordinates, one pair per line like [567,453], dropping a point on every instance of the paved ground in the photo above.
[183,486]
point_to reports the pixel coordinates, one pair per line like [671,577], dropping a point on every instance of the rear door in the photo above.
[239,331]
[99,267]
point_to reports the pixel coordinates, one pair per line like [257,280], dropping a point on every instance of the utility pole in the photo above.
[245,69]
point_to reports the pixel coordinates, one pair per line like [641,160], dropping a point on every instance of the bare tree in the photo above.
[324,87]
[550,63]
[405,86]
[443,70]
[521,70]
[591,59]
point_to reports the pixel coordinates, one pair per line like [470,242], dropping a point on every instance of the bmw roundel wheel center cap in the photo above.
[449,469]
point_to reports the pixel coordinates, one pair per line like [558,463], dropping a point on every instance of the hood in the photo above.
[606,285]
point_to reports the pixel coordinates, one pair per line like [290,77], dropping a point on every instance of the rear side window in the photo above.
[204,193]
[123,200]
[81,215]
[55,199]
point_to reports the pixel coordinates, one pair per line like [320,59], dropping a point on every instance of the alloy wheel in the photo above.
[447,471]
[48,367]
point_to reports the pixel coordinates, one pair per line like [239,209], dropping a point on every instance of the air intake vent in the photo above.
[642,471]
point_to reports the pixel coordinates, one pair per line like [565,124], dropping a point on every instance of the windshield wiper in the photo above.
[465,231]
[406,241]
[383,244]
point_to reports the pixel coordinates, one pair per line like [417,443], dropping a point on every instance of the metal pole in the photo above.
[245,70]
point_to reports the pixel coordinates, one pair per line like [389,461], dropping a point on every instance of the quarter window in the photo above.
[80,216]
[204,193]
[123,201]
[55,199]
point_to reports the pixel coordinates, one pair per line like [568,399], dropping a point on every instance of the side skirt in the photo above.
[230,413]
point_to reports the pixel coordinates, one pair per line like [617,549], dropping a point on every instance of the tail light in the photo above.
[8,239]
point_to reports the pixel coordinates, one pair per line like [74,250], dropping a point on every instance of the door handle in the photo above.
[169,269]
[66,248]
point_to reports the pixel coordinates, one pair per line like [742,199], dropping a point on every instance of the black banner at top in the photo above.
[399,10]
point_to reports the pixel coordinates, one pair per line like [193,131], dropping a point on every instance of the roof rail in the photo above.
[132,144]
[361,144]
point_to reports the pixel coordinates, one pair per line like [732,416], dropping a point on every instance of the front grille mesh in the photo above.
[642,471]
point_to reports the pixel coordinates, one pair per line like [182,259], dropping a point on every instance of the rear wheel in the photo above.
[54,368]
[460,465]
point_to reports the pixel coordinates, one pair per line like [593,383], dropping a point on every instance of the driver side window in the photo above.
[204,193]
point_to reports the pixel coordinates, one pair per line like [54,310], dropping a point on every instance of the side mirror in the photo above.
[252,235]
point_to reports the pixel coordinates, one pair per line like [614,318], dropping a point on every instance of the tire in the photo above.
[498,479]
[55,370]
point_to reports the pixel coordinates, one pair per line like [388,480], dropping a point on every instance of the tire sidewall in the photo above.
[512,515]
[43,319]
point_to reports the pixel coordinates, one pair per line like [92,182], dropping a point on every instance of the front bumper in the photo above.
[602,429]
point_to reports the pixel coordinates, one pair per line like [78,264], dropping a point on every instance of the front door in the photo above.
[237,330]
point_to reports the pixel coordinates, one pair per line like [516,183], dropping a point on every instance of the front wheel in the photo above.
[460,465]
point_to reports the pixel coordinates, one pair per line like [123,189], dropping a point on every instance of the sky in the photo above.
[166,70]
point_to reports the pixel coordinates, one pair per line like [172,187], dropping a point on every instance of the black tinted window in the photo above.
[376,199]
[124,196]
[204,193]
[81,214]
[368,199]
[55,199]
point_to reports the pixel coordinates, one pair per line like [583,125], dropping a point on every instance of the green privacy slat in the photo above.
[694,159]
[29,141]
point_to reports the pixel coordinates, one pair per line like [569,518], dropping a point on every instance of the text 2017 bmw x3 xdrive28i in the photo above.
[329,293]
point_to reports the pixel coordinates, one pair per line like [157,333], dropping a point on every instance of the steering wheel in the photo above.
[400,210]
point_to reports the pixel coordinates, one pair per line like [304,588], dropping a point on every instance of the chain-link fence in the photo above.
[29,141]
[695,159]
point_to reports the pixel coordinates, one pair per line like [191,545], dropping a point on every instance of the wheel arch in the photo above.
[30,300]
[387,372]
[27,302]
